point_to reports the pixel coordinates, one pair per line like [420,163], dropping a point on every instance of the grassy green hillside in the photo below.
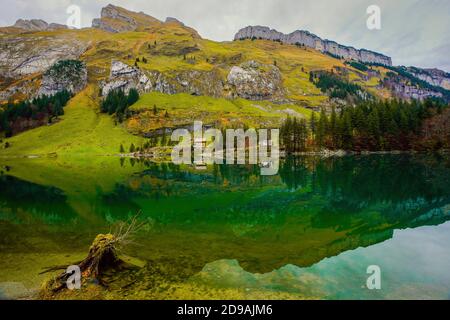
[82,130]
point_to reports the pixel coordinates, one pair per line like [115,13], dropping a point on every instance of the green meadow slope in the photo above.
[82,130]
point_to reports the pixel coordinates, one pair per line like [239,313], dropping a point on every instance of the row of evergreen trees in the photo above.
[358,65]
[152,142]
[336,87]
[117,102]
[49,107]
[373,126]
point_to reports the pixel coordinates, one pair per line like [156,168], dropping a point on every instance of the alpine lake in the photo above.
[225,232]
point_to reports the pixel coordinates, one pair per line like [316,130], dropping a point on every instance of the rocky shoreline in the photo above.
[322,153]
[162,154]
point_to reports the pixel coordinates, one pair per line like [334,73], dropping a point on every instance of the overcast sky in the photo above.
[414,32]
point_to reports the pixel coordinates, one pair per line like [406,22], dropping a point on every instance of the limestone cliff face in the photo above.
[21,56]
[207,83]
[405,91]
[31,25]
[70,75]
[312,41]
[254,81]
[125,77]
[434,77]
[115,19]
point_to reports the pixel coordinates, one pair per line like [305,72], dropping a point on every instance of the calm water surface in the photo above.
[309,232]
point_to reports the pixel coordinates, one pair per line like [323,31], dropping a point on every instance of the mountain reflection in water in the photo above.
[314,209]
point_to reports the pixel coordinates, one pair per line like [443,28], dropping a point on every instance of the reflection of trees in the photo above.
[234,174]
[357,182]
[399,187]
[118,203]
[237,174]
[297,172]
[19,196]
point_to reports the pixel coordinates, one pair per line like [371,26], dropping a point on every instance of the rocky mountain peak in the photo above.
[305,38]
[174,20]
[32,25]
[113,12]
[116,19]
[37,25]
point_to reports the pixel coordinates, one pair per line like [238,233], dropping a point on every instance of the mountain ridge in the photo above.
[190,62]
[306,38]
[116,19]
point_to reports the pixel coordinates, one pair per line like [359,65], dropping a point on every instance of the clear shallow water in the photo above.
[310,232]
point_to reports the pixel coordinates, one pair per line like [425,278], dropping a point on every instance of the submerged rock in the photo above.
[255,81]
[13,291]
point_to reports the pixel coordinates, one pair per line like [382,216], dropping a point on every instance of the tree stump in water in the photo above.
[102,257]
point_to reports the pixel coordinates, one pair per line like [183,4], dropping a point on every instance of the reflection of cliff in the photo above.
[315,209]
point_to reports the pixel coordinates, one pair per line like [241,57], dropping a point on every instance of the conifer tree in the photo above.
[322,129]
[313,125]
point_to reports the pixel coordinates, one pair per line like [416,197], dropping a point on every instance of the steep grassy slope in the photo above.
[82,130]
